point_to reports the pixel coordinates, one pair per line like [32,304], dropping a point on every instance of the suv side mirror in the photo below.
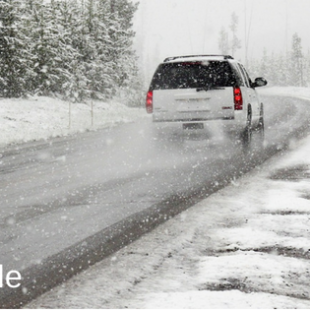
[260,81]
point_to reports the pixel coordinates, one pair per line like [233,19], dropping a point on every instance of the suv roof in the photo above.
[197,57]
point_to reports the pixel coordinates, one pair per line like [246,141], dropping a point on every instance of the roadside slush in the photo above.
[245,246]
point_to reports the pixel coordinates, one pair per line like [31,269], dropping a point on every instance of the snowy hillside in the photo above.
[38,118]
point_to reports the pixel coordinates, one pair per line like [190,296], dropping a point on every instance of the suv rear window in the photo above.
[193,75]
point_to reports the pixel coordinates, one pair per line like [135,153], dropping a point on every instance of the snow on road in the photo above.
[246,246]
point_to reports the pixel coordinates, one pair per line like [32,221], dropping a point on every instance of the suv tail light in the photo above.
[238,98]
[149,102]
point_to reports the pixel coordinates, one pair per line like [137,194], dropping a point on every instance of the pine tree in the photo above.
[120,50]
[296,61]
[39,47]
[252,68]
[13,64]
[272,71]
[99,69]
[282,70]
[66,18]
[307,69]
[263,70]
[235,43]
[223,42]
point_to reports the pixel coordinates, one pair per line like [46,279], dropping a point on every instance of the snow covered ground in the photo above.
[246,246]
[296,92]
[35,118]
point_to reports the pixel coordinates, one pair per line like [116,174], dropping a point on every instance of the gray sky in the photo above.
[176,27]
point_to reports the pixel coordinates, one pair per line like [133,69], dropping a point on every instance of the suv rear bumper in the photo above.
[235,123]
[187,120]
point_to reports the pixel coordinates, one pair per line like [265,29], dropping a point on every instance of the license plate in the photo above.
[192,126]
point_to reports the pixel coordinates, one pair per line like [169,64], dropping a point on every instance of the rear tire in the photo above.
[246,136]
[261,125]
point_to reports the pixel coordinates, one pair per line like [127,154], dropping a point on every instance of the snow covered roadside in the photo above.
[296,92]
[246,246]
[36,118]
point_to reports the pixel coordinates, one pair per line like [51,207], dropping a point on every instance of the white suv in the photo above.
[194,90]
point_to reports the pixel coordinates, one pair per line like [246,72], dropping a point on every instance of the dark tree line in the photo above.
[284,69]
[74,48]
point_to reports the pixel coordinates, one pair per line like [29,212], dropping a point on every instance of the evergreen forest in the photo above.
[75,49]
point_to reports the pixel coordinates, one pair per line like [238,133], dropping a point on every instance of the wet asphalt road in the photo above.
[66,203]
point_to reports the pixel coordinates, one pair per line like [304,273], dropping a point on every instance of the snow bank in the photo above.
[296,92]
[38,118]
